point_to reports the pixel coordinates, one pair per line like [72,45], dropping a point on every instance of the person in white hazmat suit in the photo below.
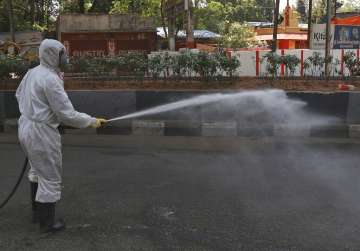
[43,105]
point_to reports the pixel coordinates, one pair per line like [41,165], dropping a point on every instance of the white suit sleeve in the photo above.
[63,108]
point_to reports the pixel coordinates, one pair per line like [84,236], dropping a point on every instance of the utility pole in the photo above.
[328,38]
[11,19]
[171,16]
[171,33]
[276,19]
[190,43]
[309,21]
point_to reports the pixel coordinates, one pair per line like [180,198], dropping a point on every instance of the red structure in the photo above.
[290,34]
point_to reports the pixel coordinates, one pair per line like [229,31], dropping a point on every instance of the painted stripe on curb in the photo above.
[291,131]
[182,128]
[206,129]
[219,129]
[354,131]
[148,127]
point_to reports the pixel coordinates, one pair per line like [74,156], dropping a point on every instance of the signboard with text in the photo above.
[318,36]
[347,37]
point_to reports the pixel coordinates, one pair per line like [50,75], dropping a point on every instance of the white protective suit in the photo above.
[43,105]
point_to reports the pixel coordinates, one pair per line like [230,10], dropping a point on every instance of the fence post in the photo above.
[257,63]
[342,62]
[282,65]
[302,63]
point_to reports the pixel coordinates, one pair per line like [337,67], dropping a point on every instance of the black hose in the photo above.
[16,185]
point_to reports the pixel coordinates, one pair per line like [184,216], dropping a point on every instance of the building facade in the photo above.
[102,35]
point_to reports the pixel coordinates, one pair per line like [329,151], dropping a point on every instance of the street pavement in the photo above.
[184,193]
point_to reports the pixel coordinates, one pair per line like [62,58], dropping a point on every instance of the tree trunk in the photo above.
[40,12]
[47,13]
[82,6]
[162,7]
[11,19]
[32,12]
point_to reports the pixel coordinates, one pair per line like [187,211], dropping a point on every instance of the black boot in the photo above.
[47,218]
[35,213]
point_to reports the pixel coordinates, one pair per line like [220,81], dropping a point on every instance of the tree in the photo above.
[319,11]
[101,6]
[34,13]
[301,9]
[211,14]
[266,8]
[140,7]
[11,19]
[351,6]
[210,17]
[237,35]
[78,6]
[82,6]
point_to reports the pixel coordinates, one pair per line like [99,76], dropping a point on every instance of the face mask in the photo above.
[63,59]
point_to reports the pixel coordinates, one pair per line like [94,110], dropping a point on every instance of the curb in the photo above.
[206,129]
[219,129]
[354,131]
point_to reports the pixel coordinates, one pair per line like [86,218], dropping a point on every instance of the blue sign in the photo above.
[347,37]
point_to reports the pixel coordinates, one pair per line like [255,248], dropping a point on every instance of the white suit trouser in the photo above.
[42,145]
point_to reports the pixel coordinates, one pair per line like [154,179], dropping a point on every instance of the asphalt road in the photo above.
[170,193]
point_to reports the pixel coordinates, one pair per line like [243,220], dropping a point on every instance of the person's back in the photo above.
[33,103]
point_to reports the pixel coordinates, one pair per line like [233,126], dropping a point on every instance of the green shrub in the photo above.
[136,63]
[80,64]
[290,62]
[273,62]
[316,63]
[226,64]
[352,62]
[156,65]
[13,67]
[205,64]
[182,64]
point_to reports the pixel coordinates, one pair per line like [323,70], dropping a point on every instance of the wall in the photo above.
[252,63]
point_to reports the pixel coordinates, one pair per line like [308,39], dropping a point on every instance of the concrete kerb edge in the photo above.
[205,129]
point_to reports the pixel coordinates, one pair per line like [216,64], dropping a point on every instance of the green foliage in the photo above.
[13,67]
[128,64]
[290,62]
[27,13]
[79,64]
[315,63]
[183,64]
[319,11]
[147,8]
[236,35]
[78,6]
[156,65]
[205,64]
[352,62]
[301,9]
[136,62]
[350,6]
[273,62]
[100,6]
[226,64]
[211,16]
